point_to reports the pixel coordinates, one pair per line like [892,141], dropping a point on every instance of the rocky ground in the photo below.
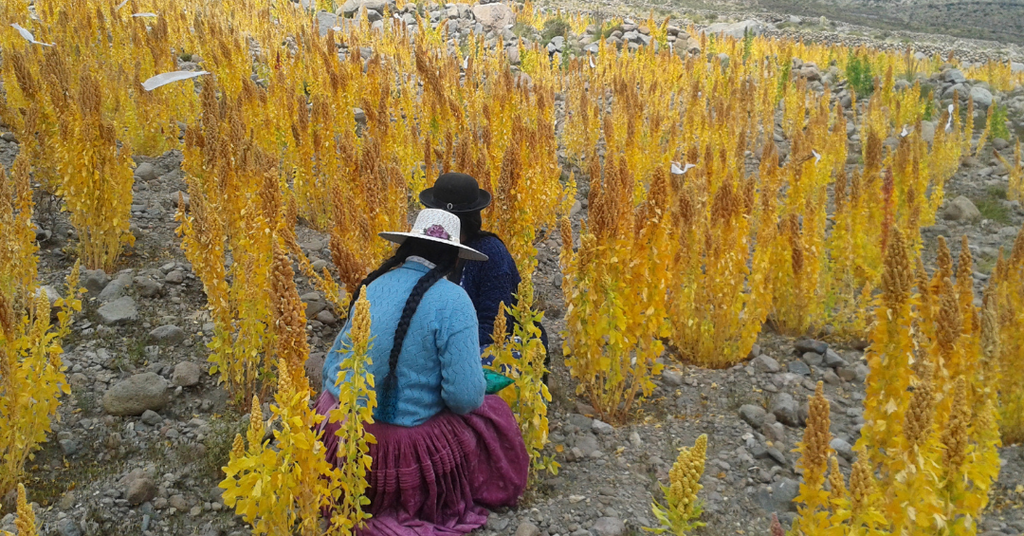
[142,436]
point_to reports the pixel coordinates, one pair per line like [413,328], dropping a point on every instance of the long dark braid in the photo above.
[389,387]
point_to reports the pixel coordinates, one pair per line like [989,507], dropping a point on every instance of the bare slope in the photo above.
[998,20]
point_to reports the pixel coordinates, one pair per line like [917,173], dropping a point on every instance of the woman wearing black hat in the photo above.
[488,283]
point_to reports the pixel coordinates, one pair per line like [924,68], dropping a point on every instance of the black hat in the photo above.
[456,192]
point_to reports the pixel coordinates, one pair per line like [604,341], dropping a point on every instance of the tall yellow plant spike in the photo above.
[837,487]
[682,511]
[954,436]
[814,455]
[289,315]
[26,520]
[920,412]
[355,409]
[529,395]
[32,374]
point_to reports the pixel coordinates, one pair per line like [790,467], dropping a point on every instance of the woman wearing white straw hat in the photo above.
[444,449]
[489,283]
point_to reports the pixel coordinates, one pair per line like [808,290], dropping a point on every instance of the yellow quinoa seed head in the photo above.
[26,521]
[954,437]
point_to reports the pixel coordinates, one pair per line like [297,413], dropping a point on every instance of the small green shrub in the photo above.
[994,210]
[521,29]
[858,73]
[748,44]
[553,28]
[997,125]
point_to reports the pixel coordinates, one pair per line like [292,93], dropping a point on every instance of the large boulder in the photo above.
[94,281]
[350,7]
[116,288]
[167,335]
[136,394]
[493,16]
[981,97]
[186,374]
[779,496]
[736,29]
[961,209]
[118,312]
[753,415]
[326,21]
[786,410]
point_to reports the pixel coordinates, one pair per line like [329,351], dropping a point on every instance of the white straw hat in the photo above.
[437,226]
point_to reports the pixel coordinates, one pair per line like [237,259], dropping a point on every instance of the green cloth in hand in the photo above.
[496,382]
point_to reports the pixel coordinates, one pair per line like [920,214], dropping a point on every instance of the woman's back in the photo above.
[439,365]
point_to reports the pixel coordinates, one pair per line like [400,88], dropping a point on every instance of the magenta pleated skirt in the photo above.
[439,478]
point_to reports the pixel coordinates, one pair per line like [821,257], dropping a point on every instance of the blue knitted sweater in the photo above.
[489,283]
[439,366]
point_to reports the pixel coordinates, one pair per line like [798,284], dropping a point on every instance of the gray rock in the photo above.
[175,277]
[736,29]
[140,490]
[1016,67]
[601,427]
[326,317]
[178,501]
[68,527]
[352,6]
[527,529]
[94,281]
[799,367]
[981,97]
[136,394]
[753,415]
[588,444]
[148,287]
[145,172]
[778,497]
[496,523]
[314,303]
[493,17]
[810,345]
[609,526]
[186,374]
[842,447]
[833,360]
[167,335]
[118,312]
[775,432]
[672,377]
[765,363]
[116,288]
[777,456]
[955,76]
[69,446]
[326,21]
[151,417]
[813,359]
[786,409]
[860,371]
[961,209]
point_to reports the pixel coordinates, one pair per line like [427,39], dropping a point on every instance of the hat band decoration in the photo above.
[437,231]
